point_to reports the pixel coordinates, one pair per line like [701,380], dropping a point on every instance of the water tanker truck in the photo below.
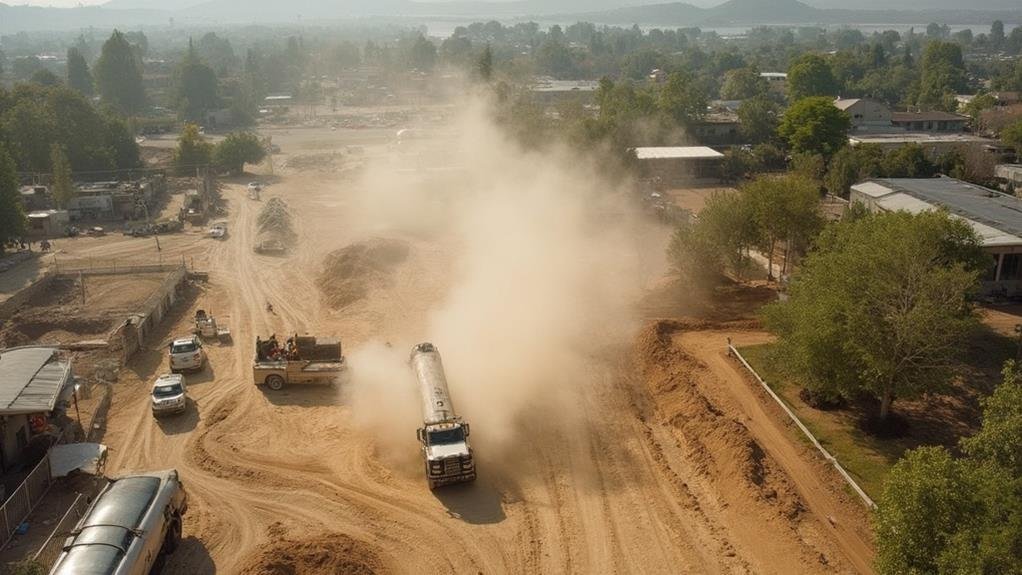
[443,435]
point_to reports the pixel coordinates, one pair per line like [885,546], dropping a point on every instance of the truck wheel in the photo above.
[173,539]
[275,382]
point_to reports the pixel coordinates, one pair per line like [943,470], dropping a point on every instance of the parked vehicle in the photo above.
[170,394]
[206,326]
[218,231]
[187,354]
[299,360]
[275,247]
[444,435]
[133,521]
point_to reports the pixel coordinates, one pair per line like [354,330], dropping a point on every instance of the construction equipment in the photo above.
[444,435]
[298,360]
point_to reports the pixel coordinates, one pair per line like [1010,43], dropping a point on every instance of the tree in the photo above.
[997,35]
[786,210]
[78,76]
[816,126]
[12,215]
[942,76]
[682,99]
[119,75]
[881,307]
[44,77]
[484,67]
[810,76]
[719,239]
[927,497]
[238,149]
[758,119]
[1012,136]
[742,84]
[193,151]
[195,89]
[1000,438]
[948,516]
[62,187]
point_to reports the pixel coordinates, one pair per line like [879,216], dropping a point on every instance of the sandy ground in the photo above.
[676,471]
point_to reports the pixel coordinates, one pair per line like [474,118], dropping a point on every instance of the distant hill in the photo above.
[753,12]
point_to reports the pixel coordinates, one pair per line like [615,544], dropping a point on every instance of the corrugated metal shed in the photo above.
[677,152]
[31,380]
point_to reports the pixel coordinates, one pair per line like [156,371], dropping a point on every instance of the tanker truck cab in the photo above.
[444,435]
[447,453]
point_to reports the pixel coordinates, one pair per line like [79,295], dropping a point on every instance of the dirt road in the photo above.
[289,478]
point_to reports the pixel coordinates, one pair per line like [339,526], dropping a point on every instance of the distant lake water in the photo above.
[443,28]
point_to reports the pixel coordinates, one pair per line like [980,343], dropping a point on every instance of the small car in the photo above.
[187,354]
[170,394]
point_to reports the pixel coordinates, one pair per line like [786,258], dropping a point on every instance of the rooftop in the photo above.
[677,152]
[32,379]
[566,86]
[931,116]
[916,138]
[845,103]
[996,217]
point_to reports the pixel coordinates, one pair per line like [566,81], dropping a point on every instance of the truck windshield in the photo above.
[455,435]
[167,390]
[183,347]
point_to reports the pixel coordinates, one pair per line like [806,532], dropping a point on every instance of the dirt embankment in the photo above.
[351,273]
[720,444]
[323,554]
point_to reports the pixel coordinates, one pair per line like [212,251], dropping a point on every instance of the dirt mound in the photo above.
[275,220]
[721,446]
[351,272]
[327,554]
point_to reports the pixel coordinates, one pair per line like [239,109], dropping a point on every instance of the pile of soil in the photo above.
[719,444]
[327,554]
[351,272]
[275,220]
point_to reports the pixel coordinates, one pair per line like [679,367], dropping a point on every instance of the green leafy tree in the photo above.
[238,149]
[815,126]
[62,186]
[1000,438]
[29,129]
[193,151]
[809,76]
[949,516]
[942,76]
[758,119]
[682,99]
[1012,136]
[786,210]
[742,84]
[881,307]
[78,76]
[119,75]
[718,240]
[195,88]
[927,497]
[997,35]
[12,215]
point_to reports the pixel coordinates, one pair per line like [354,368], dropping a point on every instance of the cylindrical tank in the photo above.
[429,370]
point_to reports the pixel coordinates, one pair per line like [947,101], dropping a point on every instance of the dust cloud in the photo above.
[547,268]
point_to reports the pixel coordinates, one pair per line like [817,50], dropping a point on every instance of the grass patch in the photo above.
[867,459]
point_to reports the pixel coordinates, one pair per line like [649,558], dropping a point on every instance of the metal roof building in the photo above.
[677,153]
[32,380]
[995,217]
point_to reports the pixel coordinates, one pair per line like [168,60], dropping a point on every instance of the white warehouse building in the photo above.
[996,218]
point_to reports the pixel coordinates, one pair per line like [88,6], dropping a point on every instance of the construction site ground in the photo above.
[675,463]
